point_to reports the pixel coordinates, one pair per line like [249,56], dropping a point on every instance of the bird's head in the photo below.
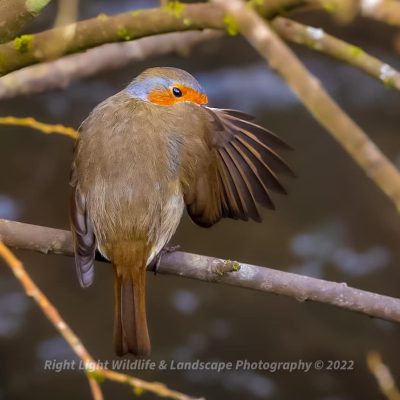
[166,86]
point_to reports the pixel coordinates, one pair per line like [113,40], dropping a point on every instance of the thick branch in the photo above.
[60,73]
[54,43]
[309,90]
[15,14]
[56,241]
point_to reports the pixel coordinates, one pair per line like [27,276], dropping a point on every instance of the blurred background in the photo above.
[335,224]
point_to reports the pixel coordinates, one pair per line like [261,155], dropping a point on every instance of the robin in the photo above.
[144,155]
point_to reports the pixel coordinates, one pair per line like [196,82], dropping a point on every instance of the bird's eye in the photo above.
[176,92]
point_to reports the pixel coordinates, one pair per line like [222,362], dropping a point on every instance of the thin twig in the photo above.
[210,269]
[317,39]
[383,376]
[387,11]
[315,98]
[67,12]
[50,311]
[40,126]
[93,370]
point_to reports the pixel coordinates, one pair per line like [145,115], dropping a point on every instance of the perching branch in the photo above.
[94,372]
[317,39]
[210,269]
[309,90]
[60,73]
[15,14]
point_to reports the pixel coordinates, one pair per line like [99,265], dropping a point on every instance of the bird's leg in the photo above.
[155,264]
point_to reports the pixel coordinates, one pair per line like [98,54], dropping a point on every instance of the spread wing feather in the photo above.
[244,170]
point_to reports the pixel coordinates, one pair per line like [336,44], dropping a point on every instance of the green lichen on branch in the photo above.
[96,375]
[235,266]
[36,6]
[232,28]
[23,43]
[124,34]
[138,391]
[135,13]
[225,267]
[355,51]
[175,7]
[102,17]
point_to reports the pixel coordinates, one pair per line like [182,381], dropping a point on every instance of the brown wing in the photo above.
[82,234]
[243,172]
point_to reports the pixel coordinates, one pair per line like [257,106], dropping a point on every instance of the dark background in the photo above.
[335,224]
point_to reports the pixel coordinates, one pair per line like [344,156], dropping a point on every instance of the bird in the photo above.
[144,155]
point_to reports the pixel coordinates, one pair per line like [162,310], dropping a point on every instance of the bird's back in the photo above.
[128,160]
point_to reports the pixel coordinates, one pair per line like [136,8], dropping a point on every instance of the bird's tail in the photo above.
[130,322]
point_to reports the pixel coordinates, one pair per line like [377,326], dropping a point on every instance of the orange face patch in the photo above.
[166,97]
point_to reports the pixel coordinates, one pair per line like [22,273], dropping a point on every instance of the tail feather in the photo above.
[130,322]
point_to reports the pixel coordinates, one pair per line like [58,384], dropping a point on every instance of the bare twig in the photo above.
[60,73]
[387,11]
[383,376]
[15,14]
[40,126]
[51,313]
[317,39]
[93,370]
[67,12]
[302,288]
[375,164]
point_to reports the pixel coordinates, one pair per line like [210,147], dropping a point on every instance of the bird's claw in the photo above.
[165,250]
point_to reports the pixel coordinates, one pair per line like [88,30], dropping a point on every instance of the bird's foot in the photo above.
[155,264]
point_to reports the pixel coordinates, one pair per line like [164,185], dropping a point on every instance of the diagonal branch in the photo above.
[318,102]
[51,313]
[317,39]
[93,371]
[210,269]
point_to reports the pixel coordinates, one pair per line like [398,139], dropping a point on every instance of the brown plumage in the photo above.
[143,155]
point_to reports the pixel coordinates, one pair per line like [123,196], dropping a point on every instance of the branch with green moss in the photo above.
[60,73]
[315,98]
[16,14]
[317,39]
[54,43]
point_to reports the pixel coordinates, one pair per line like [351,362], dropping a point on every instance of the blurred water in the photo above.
[335,224]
